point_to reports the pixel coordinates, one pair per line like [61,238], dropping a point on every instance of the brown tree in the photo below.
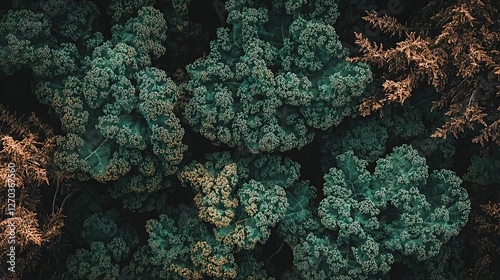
[484,240]
[456,51]
[27,146]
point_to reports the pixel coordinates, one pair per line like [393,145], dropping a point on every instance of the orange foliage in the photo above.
[455,51]
[29,144]
[485,242]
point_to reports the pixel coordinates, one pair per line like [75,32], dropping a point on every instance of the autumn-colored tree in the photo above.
[26,150]
[486,224]
[454,47]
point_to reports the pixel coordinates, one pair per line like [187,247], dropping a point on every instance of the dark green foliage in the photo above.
[243,197]
[447,264]
[129,84]
[141,266]
[374,219]
[485,170]
[186,249]
[349,20]
[322,258]
[120,10]
[182,246]
[142,193]
[251,268]
[366,137]
[273,78]
[109,243]
[26,42]
[369,137]
[300,216]
[118,105]
[403,122]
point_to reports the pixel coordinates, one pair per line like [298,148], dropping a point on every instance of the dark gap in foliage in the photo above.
[16,93]
[309,158]
[278,254]
[203,11]
[397,272]
[5,5]
[389,214]
[371,166]
[133,81]
[181,195]
[103,21]
[199,145]
[462,157]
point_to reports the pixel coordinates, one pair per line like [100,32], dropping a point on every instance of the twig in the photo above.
[281,247]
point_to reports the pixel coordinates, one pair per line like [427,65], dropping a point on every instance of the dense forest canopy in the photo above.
[249,139]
